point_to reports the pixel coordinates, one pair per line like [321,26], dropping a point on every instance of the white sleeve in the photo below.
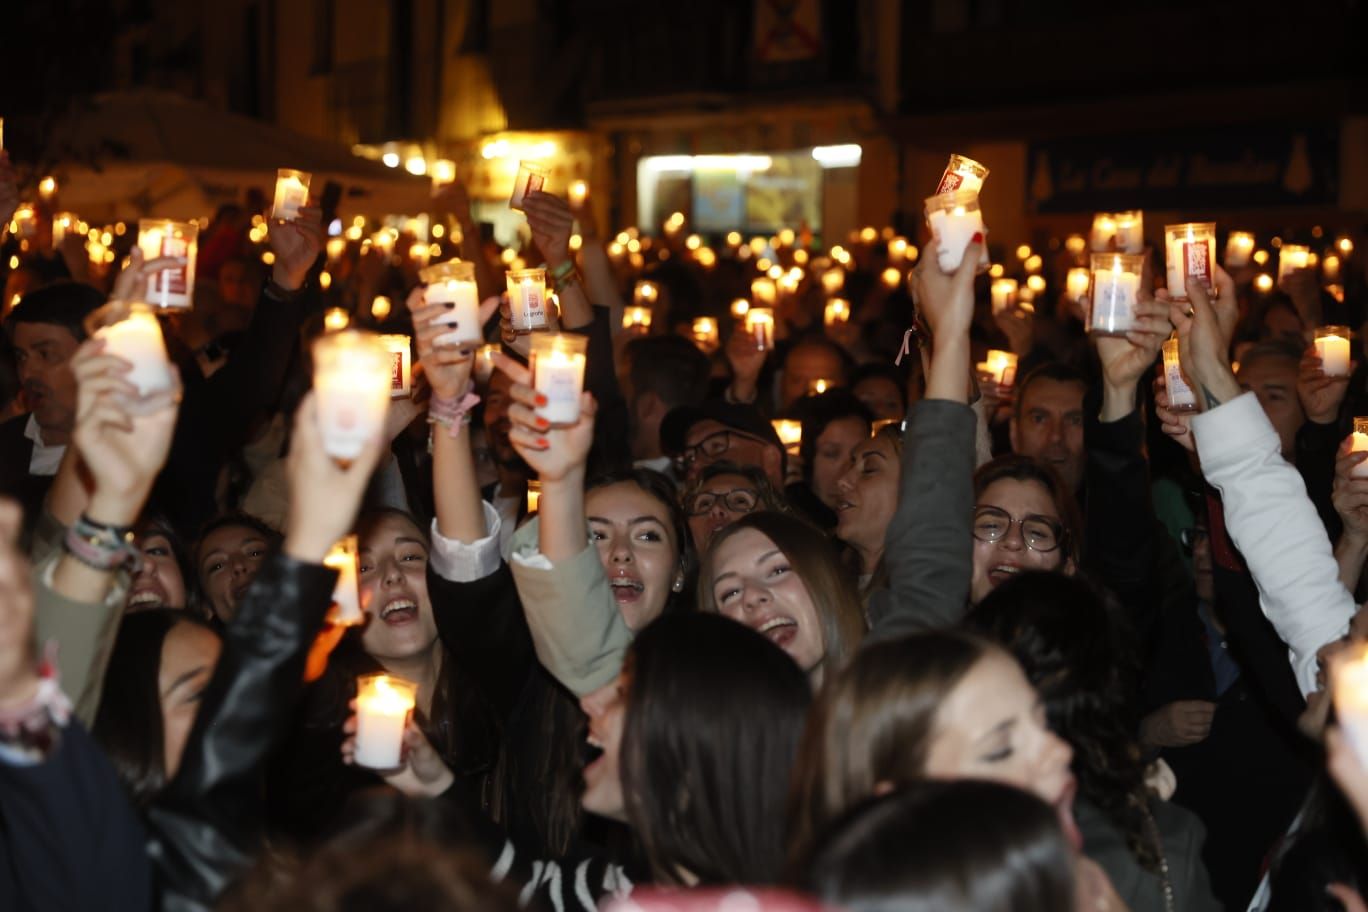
[1276,528]
[463,562]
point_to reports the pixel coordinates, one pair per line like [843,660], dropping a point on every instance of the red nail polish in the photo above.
[543,442]
[977,238]
[540,400]
[543,423]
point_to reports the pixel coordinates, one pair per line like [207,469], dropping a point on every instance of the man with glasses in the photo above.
[699,437]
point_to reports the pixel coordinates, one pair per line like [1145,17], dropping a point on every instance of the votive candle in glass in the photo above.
[705,333]
[1180,395]
[1239,248]
[954,219]
[1002,365]
[452,284]
[837,313]
[557,364]
[527,299]
[1115,292]
[645,294]
[174,288]
[1359,444]
[138,340]
[346,593]
[1332,347]
[764,292]
[1292,257]
[400,348]
[790,433]
[352,377]
[383,705]
[1078,282]
[291,194]
[531,178]
[484,362]
[833,280]
[1003,292]
[1122,231]
[739,308]
[1190,253]
[961,173]
[760,327]
[1349,690]
[636,319]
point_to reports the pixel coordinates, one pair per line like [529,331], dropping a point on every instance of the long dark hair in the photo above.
[1073,645]
[1024,468]
[714,715]
[947,846]
[128,724]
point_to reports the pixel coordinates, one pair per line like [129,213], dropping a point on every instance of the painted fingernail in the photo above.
[543,423]
[540,400]
[543,442]
[977,238]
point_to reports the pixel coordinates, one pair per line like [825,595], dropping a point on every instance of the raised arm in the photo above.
[927,546]
[1268,515]
[551,222]
[600,282]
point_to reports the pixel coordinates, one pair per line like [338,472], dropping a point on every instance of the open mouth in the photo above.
[399,612]
[1000,573]
[146,598]
[626,589]
[1064,811]
[779,630]
[592,751]
[843,505]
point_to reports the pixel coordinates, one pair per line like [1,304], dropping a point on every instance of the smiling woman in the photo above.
[230,551]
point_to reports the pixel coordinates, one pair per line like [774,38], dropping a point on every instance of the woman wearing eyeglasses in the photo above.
[723,493]
[1024,519]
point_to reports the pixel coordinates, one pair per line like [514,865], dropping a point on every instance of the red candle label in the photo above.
[397,371]
[1197,260]
[534,183]
[949,181]
[172,281]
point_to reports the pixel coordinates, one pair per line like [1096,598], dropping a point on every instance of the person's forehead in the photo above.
[27,335]
[1268,369]
[726,483]
[1046,392]
[701,429]
[229,536]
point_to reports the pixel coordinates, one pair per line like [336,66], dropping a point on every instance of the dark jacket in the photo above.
[1182,837]
[15,481]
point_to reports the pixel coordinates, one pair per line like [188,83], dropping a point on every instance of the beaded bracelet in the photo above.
[100,546]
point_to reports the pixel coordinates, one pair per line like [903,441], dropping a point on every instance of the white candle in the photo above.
[453,285]
[760,326]
[953,224]
[1349,689]
[1002,291]
[401,367]
[1115,292]
[383,705]
[1002,365]
[764,292]
[1103,230]
[1079,279]
[138,340]
[531,178]
[346,594]
[527,299]
[1190,254]
[833,280]
[579,191]
[790,433]
[171,289]
[558,374]
[291,194]
[1239,248]
[1332,346]
[353,372]
[1292,257]
[837,312]
[1130,232]
[705,333]
[636,319]
[1180,395]
[1359,444]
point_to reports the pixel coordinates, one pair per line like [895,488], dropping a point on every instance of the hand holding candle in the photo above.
[955,220]
[291,194]
[554,453]
[137,339]
[1332,347]
[383,705]
[353,373]
[170,289]
[452,285]
[346,593]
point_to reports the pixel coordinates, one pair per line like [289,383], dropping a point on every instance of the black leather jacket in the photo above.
[206,826]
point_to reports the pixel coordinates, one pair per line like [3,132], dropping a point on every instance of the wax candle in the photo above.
[760,327]
[384,241]
[346,594]
[531,178]
[962,173]
[1080,277]
[1115,292]
[443,173]
[579,191]
[1180,395]
[954,219]
[739,307]
[1349,689]
[636,319]
[400,348]
[833,280]
[335,318]
[452,284]
[1359,444]
[484,362]
[336,247]
[138,340]
[1263,282]
[764,292]
[170,289]
[1130,231]
[558,374]
[291,194]
[1332,346]
[1190,253]
[1103,231]
[1002,365]
[1292,257]
[705,333]
[1239,248]
[1330,267]
[897,251]
[891,278]
[790,433]
[353,373]
[645,294]
[383,704]
[1003,292]
[527,299]
[817,387]
[837,313]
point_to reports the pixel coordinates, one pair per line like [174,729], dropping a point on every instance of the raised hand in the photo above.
[1177,425]
[1205,329]
[555,454]
[447,369]
[1320,395]
[1018,325]
[746,363]
[946,300]
[552,223]
[130,286]
[1350,494]
[1126,358]
[296,245]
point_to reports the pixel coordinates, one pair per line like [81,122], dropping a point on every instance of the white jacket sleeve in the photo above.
[1276,528]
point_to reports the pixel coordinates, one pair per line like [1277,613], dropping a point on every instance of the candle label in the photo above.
[949,181]
[172,281]
[397,372]
[534,183]
[533,307]
[1197,262]
[1181,397]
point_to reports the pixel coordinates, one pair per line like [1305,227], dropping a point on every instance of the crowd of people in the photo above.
[970,643]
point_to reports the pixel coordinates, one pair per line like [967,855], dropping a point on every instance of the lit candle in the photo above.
[384,241]
[760,327]
[1292,257]
[383,705]
[170,289]
[817,387]
[705,333]
[636,319]
[1190,254]
[484,362]
[558,374]
[579,191]
[452,284]
[1358,444]
[1077,282]
[790,433]
[138,340]
[1330,267]
[1332,347]
[346,594]
[739,307]
[291,194]
[443,172]
[897,250]
[336,247]
[837,313]
[534,491]
[1075,244]
[1180,395]
[833,280]
[1115,291]
[527,299]
[1349,689]
[1103,230]
[764,292]
[47,187]
[1239,248]
[336,319]
[1002,365]
[1263,282]
[645,294]
[955,219]
[891,278]
[353,373]
[400,348]
[2,132]
[531,178]
[1130,232]
[1003,291]
[962,173]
